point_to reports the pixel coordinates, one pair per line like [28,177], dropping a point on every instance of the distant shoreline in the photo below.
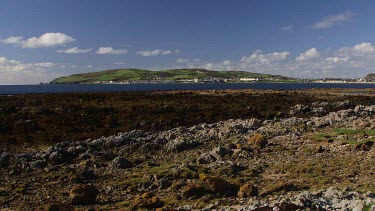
[192,83]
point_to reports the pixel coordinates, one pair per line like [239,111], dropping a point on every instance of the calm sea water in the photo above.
[64,88]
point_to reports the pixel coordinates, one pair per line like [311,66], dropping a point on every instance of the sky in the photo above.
[44,39]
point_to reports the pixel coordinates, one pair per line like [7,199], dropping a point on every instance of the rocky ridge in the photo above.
[207,166]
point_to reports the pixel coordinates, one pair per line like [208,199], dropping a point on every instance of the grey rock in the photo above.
[343,104]
[320,111]
[220,151]
[121,163]
[206,158]
[75,151]
[59,157]
[299,109]
[179,145]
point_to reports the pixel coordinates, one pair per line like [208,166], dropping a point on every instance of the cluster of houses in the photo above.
[182,80]
[334,80]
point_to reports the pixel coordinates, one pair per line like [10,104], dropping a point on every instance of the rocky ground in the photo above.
[312,159]
[35,120]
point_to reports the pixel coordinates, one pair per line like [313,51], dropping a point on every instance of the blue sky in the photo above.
[44,39]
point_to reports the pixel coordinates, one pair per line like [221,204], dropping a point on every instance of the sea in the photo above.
[71,88]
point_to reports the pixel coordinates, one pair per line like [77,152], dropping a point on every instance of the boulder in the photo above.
[343,104]
[218,185]
[179,145]
[206,158]
[83,194]
[121,163]
[247,190]
[220,151]
[194,190]
[319,111]
[298,109]
[213,134]
[59,157]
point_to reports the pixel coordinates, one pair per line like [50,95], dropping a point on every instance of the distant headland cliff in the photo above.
[168,76]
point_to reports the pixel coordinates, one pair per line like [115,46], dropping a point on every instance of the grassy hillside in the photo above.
[139,74]
[370,77]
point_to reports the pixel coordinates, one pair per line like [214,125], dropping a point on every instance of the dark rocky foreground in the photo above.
[318,156]
[43,119]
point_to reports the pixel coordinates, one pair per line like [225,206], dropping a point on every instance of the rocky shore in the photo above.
[321,162]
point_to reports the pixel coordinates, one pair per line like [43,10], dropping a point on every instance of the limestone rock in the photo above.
[59,156]
[179,145]
[121,163]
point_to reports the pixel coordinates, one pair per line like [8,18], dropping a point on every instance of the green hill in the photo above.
[119,75]
[370,77]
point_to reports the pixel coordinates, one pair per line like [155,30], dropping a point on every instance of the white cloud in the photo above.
[330,21]
[10,65]
[156,52]
[13,40]
[119,63]
[17,72]
[182,60]
[225,65]
[47,40]
[288,28]
[90,66]
[44,64]
[312,53]
[364,47]
[337,59]
[209,66]
[259,57]
[110,50]
[227,62]
[2,60]
[361,49]
[74,50]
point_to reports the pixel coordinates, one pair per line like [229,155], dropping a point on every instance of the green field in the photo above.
[119,75]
